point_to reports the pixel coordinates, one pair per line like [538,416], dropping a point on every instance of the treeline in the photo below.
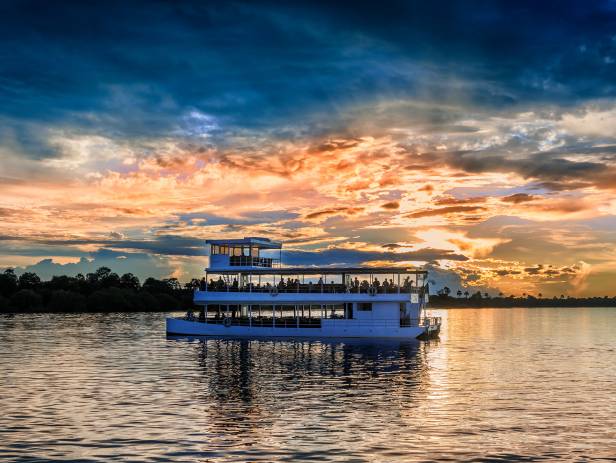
[100,291]
[479,300]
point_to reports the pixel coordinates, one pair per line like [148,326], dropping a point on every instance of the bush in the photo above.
[62,300]
[167,302]
[110,300]
[145,301]
[26,299]
[4,304]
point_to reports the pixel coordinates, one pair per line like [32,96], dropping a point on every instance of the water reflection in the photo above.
[500,385]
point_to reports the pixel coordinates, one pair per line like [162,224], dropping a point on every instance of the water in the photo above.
[518,384]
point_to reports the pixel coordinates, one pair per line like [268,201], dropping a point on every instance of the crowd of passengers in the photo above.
[294,285]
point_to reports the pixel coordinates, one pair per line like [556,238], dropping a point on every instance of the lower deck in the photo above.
[326,328]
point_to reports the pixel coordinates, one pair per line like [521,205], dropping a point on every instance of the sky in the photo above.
[474,139]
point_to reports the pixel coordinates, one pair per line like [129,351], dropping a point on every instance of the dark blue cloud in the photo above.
[141,264]
[131,69]
[357,257]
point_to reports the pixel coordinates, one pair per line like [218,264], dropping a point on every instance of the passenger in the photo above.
[234,285]
[376,284]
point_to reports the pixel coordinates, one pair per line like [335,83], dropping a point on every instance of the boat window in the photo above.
[236,252]
[254,252]
[246,251]
[364,306]
[215,249]
[349,310]
[224,250]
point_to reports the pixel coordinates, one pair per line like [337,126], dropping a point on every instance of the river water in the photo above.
[499,385]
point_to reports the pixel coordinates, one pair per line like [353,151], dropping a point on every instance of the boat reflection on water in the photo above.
[305,398]
[264,383]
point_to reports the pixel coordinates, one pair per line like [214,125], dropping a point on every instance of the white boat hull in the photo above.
[328,329]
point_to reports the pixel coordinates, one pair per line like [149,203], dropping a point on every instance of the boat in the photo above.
[247,292]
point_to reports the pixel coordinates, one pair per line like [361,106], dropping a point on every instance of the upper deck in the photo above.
[242,254]
[315,284]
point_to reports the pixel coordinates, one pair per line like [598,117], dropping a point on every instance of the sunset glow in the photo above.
[492,163]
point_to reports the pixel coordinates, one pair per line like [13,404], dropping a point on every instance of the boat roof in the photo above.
[255,241]
[321,271]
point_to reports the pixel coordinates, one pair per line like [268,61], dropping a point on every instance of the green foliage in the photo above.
[102,290]
[4,304]
[29,280]
[62,301]
[26,299]
[8,282]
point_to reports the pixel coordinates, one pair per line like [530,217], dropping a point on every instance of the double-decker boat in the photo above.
[247,294]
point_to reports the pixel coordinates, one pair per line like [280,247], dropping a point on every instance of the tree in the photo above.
[102,272]
[129,281]
[155,286]
[173,284]
[29,280]
[540,295]
[62,300]
[466,294]
[8,282]
[111,280]
[61,282]
[459,293]
[192,284]
[446,291]
[26,299]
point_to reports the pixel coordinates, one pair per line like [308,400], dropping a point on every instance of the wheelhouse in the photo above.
[246,253]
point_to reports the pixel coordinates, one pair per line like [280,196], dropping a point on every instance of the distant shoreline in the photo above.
[431,305]
[104,291]
[476,302]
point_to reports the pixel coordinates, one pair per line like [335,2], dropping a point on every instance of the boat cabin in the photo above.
[247,292]
[243,254]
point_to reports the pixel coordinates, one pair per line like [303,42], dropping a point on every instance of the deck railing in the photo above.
[331,288]
[250,261]
[304,322]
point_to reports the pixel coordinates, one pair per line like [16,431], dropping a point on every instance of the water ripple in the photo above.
[499,385]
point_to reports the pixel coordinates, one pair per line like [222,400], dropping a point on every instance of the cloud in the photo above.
[333,212]
[352,257]
[518,198]
[447,201]
[140,264]
[445,211]
[391,205]
[149,127]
